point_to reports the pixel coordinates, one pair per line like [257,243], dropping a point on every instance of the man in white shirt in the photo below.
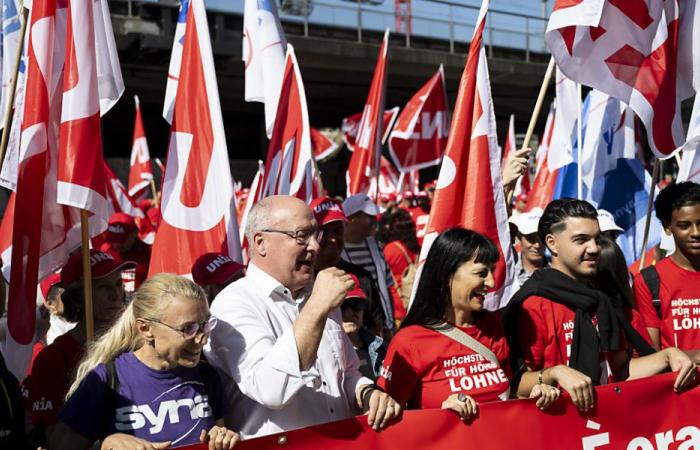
[279,342]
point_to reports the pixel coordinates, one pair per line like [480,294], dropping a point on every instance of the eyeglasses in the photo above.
[301,236]
[191,330]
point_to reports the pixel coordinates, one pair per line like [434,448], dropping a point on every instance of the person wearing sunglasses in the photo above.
[142,384]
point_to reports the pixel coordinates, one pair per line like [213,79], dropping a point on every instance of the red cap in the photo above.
[390,197]
[214,268]
[119,227]
[357,291]
[48,282]
[101,265]
[327,210]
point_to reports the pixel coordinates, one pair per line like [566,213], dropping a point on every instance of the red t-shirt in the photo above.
[546,333]
[423,367]
[679,292]
[397,259]
[51,376]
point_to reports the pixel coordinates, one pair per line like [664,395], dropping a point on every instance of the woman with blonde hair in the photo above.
[142,385]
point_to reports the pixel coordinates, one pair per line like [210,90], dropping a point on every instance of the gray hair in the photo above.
[260,217]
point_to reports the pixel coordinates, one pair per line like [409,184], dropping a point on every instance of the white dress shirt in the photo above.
[254,346]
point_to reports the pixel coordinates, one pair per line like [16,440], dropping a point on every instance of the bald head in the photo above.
[273,212]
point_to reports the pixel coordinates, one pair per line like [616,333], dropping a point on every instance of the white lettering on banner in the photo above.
[688,437]
[686,323]
[211,209]
[135,417]
[430,125]
[482,380]
[385,373]
[140,155]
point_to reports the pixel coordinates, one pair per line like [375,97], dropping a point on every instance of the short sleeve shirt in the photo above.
[679,293]
[51,376]
[423,367]
[546,333]
[155,405]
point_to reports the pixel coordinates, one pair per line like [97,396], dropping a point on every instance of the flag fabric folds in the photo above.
[469,190]
[640,52]
[197,205]
[290,168]
[566,105]
[140,170]
[264,47]
[175,61]
[323,147]
[351,124]
[419,136]
[364,164]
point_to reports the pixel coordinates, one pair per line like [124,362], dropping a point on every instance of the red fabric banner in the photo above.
[636,415]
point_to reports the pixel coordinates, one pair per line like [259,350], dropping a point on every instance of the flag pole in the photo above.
[24,14]
[535,113]
[154,190]
[579,138]
[87,275]
[650,204]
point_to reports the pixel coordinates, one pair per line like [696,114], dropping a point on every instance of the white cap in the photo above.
[527,222]
[360,203]
[606,221]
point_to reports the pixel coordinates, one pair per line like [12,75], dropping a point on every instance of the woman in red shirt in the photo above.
[401,253]
[434,361]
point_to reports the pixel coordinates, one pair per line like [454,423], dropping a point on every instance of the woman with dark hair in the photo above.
[450,352]
[401,253]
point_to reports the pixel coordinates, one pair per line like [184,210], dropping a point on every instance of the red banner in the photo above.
[636,415]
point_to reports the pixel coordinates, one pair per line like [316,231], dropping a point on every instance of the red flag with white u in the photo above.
[469,190]
[140,170]
[419,137]
[197,206]
[289,168]
[364,163]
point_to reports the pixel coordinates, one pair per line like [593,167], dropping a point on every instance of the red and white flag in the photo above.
[289,168]
[121,201]
[567,102]
[469,190]
[419,137]
[140,170]
[364,163]
[323,146]
[542,190]
[509,144]
[640,52]
[81,178]
[197,206]
[351,124]
[389,179]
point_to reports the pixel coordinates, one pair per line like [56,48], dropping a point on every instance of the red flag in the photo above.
[509,145]
[469,191]
[81,179]
[419,137]
[542,190]
[198,211]
[323,147]
[289,168]
[389,179]
[639,52]
[121,201]
[364,163]
[140,170]
[350,125]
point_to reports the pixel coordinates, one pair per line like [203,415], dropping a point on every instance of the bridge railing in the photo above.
[436,20]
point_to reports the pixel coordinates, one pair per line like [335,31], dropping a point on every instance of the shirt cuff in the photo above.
[284,357]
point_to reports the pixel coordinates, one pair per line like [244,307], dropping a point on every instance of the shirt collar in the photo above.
[270,285]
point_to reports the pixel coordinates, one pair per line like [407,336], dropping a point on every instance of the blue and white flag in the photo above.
[175,60]
[264,47]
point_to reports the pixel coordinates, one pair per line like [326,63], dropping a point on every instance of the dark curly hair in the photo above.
[676,196]
[402,228]
[558,211]
[450,250]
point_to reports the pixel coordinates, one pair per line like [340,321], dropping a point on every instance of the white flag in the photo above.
[566,105]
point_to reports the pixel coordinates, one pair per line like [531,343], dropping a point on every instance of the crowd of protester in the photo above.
[331,318]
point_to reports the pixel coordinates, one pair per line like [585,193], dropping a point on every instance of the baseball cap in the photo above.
[214,268]
[101,265]
[119,227]
[357,291]
[327,210]
[527,222]
[606,221]
[360,203]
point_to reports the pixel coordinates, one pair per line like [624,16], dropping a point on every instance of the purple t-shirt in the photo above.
[155,405]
